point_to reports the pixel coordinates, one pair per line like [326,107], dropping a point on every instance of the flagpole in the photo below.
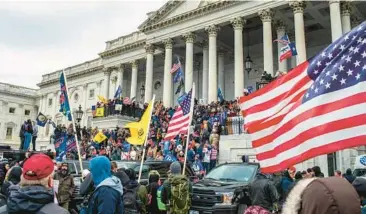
[73,123]
[189,128]
[147,135]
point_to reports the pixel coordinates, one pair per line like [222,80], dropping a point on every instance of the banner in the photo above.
[118,107]
[99,112]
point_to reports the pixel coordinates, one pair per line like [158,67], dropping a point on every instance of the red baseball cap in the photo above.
[38,166]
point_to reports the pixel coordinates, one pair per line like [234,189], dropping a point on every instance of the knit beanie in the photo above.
[175,168]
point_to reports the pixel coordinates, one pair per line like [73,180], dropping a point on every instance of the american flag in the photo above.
[179,123]
[317,108]
[126,101]
[176,66]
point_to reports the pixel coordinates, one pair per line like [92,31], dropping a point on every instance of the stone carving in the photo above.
[238,23]
[298,6]
[280,25]
[114,79]
[212,30]
[345,8]
[355,21]
[168,43]
[189,37]
[134,63]
[150,48]
[266,15]
[107,71]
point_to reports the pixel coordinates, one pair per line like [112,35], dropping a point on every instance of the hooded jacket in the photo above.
[32,200]
[13,179]
[322,196]
[107,196]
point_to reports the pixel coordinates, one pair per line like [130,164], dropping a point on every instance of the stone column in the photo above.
[335,19]
[238,58]
[149,72]
[281,31]
[298,8]
[107,79]
[188,81]
[134,66]
[85,90]
[167,92]
[346,16]
[266,17]
[221,68]
[212,65]
[120,73]
[205,72]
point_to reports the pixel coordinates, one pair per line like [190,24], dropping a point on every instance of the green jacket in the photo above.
[65,188]
[142,194]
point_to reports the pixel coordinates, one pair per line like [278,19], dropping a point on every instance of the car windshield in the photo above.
[85,166]
[233,173]
[127,165]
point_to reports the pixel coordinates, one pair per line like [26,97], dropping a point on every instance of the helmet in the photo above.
[360,185]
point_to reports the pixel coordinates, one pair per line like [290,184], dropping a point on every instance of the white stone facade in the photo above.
[212,40]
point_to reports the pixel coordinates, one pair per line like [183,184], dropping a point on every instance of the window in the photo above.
[27,112]
[91,93]
[12,110]
[76,97]
[9,133]
[50,102]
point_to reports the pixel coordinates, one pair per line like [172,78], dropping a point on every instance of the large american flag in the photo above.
[317,108]
[176,66]
[179,123]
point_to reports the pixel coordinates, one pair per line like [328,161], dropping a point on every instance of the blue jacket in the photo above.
[107,197]
[285,185]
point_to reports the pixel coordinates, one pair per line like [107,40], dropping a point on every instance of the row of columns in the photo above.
[213,64]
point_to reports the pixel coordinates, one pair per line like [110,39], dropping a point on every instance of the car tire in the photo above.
[242,208]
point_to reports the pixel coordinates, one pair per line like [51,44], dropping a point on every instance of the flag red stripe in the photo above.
[313,112]
[277,83]
[321,150]
[179,124]
[313,132]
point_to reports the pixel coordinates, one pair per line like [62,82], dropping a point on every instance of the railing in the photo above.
[234,125]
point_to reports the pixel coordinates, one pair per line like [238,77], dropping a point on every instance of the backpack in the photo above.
[180,196]
[161,205]
[131,200]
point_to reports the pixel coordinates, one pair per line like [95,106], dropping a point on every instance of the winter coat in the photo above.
[107,197]
[322,196]
[141,193]
[32,200]
[13,179]
[65,188]
[263,192]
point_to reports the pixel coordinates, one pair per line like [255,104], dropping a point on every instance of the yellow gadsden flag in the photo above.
[100,137]
[102,99]
[140,129]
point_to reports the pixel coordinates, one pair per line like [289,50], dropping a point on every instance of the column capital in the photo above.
[291,35]
[150,48]
[298,6]
[203,44]
[134,63]
[168,43]
[238,23]
[355,21]
[221,53]
[212,30]
[279,25]
[189,37]
[266,15]
[114,79]
[121,67]
[333,1]
[107,71]
[345,8]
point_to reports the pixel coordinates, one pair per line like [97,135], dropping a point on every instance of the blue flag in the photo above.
[118,92]
[178,76]
[41,119]
[64,98]
[220,95]
[170,157]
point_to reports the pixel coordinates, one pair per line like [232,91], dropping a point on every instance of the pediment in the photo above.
[174,8]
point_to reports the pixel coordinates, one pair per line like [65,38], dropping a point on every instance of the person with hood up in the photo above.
[152,188]
[139,191]
[13,179]
[360,186]
[34,194]
[107,196]
[349,177]
[66,186]
[317,172]
[322,196]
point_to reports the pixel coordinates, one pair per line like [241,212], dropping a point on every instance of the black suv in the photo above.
[224,189]
[161,166]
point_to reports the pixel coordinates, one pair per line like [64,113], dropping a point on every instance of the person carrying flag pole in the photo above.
[188,132]
[67,110]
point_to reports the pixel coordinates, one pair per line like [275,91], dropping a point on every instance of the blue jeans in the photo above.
[212,164]
[206,167]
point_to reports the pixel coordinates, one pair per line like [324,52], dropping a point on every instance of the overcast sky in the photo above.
[41,37]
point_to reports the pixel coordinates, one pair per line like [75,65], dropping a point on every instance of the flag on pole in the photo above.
[220,95]
[41,119]
[177,66]
[317,108]
[178,76]
[180,86]
[179,124]
[139,130]
[118,92]
[288,49]
[64,99]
